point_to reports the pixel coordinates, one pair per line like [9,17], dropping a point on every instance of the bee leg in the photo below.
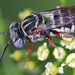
[67,35]
[63,35]
[6,33]
[5,49]
[52,44]
[29,50]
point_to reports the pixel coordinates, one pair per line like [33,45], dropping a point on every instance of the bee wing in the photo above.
[51,23]
[49,13]
[59,17]
[47,26]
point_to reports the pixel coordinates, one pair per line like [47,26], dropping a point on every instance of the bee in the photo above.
[35,27]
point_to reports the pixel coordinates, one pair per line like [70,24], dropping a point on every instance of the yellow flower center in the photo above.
[53,70]
[30,64]
[67,42]
[73,60]
[17,55]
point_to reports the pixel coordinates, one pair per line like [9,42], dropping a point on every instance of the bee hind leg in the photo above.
[52,44]
[63,35]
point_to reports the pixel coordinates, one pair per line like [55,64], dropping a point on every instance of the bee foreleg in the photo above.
[29,50]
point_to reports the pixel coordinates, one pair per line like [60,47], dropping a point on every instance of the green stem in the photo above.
[64,2]
[73,71]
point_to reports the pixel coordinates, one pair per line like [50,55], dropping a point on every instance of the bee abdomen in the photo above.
[64,19]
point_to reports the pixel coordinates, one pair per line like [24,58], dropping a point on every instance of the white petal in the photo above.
[67,39]
[48,65]
[60,70]
[47,72]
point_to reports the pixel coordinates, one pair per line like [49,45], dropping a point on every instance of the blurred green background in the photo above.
[9,10]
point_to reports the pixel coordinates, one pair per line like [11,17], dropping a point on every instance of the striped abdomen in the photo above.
[63,19]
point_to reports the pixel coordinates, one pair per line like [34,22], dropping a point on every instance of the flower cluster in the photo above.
[69,43]
[70,61]
[52,69]
[24,14]
[59,55]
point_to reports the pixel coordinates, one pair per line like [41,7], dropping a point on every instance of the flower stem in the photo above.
[64,2]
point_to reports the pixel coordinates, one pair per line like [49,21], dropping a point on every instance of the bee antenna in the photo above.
[5,49]
[6,33]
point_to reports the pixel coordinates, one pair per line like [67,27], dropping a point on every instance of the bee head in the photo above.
[16,35]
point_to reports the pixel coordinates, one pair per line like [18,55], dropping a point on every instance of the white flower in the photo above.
[69,43]
[70,60]
[47,72]
[60,70]
[61,52]
[52,69]
[43,52]
[63,64]
[67,39]
[48,65]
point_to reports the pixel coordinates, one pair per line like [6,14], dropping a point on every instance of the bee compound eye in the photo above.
[19,43]
[13,24]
